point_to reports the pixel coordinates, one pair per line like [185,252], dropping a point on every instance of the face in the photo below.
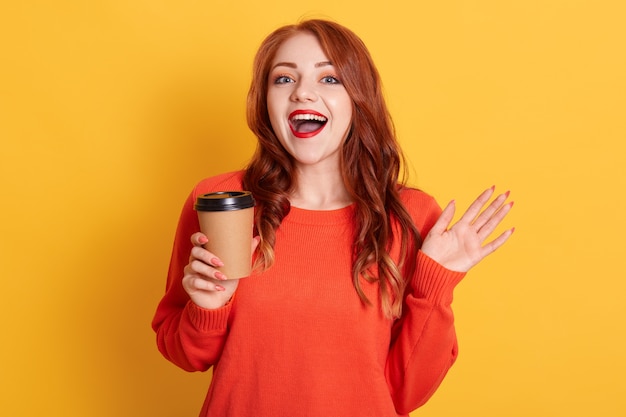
[309,108]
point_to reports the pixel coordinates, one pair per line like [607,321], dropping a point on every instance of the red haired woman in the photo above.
[348,310]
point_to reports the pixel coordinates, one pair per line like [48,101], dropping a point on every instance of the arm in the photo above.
[188,335]
[424,345]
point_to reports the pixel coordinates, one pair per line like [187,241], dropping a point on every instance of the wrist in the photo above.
[208,319]
[217,300]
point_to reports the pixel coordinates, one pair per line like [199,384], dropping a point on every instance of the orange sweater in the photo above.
[296,340]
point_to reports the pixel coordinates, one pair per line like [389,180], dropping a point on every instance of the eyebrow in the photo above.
[293,65]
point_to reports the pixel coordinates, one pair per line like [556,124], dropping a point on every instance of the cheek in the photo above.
[343,111]
[273,112]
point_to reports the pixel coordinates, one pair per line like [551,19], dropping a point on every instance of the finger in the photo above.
[199,253]
[493,208]
[494,221]
[199,239]
[195,283]
[497,242]
[255,242]
[477,205]
[198,267]
[443,222]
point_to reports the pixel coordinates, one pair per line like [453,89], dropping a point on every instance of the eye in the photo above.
[330,79]
[283,79]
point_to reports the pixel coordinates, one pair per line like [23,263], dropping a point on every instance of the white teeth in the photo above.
[309,117]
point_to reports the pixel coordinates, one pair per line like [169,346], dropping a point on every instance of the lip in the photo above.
[302,135]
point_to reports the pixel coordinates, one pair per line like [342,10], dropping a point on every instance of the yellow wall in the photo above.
[110,111]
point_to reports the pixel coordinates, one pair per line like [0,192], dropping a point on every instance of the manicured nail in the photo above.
[493,187]
[511,204]
[507,193]
[219,275]
[203,240]
[217,262]
[219,288]
[512,230]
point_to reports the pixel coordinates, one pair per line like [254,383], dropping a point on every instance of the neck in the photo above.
[317,190]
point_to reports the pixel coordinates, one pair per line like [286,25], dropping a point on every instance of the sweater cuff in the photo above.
[206,320]
[434,282]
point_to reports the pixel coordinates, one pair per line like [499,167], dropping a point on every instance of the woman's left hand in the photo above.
[462,246]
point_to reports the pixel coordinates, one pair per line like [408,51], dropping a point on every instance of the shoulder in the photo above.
[228,181]
[414,199]
[422,207]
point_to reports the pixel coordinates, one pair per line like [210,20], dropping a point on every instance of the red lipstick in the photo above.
[306,123]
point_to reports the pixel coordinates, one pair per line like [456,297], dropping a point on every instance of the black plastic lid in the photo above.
[224,201]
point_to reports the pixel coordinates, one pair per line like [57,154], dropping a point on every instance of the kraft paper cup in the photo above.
[227,219]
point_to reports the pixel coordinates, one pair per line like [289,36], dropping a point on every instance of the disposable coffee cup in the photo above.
[227,219]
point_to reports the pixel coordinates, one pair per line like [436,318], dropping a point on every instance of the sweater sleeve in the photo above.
[187,335]
[423,345]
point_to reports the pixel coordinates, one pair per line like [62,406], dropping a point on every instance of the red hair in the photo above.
[370,164]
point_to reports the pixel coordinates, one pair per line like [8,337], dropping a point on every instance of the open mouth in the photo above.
[306,123]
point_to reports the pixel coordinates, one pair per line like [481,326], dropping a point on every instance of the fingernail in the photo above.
[217,262]
[203,240]
[219,275]
[220,288]
[512,229]
[493,187]
[507,193]
[511,204]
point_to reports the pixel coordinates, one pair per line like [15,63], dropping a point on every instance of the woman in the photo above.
[348,311]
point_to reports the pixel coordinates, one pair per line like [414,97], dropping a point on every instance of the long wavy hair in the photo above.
[371,161]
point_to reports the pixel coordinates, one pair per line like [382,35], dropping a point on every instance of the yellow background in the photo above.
[111,110]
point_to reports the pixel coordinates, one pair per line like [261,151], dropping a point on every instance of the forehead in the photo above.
[300,49]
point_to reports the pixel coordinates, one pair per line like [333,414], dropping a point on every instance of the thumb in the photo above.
[255,242]
[443,222]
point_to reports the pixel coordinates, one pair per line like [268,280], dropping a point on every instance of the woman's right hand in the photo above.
[206,285]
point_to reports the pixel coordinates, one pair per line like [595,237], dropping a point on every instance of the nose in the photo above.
[303,92]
